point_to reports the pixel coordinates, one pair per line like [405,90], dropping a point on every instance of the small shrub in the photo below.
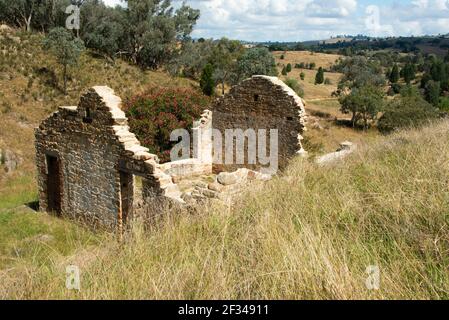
[302,75]
[30,82]
[284,71]
[154,114]
[6,107]
[444,104]
[327,81]
[396,88]
[292,83]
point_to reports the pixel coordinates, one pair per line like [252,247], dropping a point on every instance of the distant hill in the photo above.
[438,45]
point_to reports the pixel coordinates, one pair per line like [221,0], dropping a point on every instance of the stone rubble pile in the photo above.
[226,186]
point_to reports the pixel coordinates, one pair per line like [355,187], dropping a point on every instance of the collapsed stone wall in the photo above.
[261,102]
[86,158]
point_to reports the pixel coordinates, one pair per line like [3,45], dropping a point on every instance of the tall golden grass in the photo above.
[308,234]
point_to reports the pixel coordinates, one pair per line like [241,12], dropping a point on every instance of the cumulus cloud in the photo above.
[331,8]
[300,20]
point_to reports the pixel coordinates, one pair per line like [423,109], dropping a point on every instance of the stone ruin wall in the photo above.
[96,158]
[262,102]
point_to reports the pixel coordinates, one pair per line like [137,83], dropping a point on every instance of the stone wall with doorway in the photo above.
[86,158]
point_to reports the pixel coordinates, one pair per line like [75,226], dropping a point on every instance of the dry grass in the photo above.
[308,234]
[321,59]
[312,91]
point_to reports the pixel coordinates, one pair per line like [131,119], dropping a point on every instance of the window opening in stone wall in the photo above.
[88,116]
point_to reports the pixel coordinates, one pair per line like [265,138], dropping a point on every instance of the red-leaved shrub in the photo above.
[155,113]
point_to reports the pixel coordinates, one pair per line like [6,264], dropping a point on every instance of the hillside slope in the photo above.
[30,90]
[309,234]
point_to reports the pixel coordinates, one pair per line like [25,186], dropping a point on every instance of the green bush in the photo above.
[396,88]
[302,75]
[444,104]
[404,112]
[292,83]
[154,114]
[284,71]
[327,81]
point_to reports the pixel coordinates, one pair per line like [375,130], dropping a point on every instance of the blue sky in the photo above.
[301,20]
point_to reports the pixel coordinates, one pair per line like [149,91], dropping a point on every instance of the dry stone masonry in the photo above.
[87,158]
[262,102]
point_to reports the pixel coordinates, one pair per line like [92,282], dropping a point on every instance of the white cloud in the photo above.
[113,3]
[331,8]
[299,20]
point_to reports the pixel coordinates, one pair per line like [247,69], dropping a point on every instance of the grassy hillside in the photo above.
[308,234]
[312,92]
[30,90]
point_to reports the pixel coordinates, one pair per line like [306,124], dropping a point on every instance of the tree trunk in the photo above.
[353,119]
[28,23]
[223,87]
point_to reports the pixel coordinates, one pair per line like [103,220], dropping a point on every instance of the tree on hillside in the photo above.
[66,49]
[224,57]
[319,78]
[289,68]
[409,73]
[20,12]
[394,75]
[302,75]
[256,61]
[359,72]
[103,28]
[363,103]
[191,59]
[207,82]
[153,28]
[432,92]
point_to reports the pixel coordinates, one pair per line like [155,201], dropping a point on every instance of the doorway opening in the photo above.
[126,196]
[54,184]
